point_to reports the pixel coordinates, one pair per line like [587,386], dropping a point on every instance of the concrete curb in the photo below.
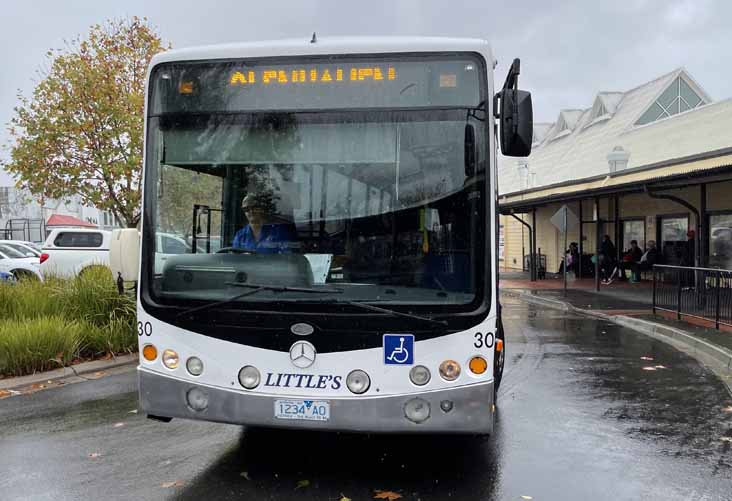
[80,369]
[700,349]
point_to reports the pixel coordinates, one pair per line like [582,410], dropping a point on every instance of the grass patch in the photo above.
[46,325]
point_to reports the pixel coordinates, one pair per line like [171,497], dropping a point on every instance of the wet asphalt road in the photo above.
[578,419]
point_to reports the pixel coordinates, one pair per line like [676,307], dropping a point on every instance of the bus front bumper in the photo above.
[471,411]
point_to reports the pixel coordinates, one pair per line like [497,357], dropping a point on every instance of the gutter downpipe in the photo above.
[532,256]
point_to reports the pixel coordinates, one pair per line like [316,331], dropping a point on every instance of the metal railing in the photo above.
[704,293]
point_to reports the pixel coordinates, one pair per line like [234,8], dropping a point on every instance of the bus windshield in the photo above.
[379,205]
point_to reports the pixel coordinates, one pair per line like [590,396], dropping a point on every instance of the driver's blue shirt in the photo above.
[273,239]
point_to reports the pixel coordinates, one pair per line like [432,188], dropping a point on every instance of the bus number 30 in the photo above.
[144,328]
[483,340]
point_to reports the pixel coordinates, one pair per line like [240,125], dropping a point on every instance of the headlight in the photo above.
[358,381]
[194,366]
[197,399]
[420,375]
[249,377]
[170,359]
[417,410]
[449,370]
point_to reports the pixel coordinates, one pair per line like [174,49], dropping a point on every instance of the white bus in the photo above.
[348,187]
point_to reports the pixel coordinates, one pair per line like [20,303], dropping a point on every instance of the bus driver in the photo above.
[263,234]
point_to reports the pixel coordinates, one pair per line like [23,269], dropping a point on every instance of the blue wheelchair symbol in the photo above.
[398,349]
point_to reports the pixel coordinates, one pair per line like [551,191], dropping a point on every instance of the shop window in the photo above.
[720,241]
[634,230]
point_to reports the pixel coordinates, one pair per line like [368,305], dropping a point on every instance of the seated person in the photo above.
[649,258]
[631,257]
[263,234]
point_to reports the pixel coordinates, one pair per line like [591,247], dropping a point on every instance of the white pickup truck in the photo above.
[68,251]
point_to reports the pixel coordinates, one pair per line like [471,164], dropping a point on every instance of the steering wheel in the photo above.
[235,250]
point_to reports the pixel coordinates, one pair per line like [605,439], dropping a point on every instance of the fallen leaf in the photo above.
[169,485]
[118,425]
[94,455]
[302,483]
[245,474]
[4,393]
[100,374]
[649,368]
[646,358]
[390,495]
[344,498]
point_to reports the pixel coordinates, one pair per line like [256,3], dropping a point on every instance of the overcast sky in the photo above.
[569,52]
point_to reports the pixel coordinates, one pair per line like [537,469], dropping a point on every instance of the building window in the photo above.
[634,230]
[720,241]
[677,98]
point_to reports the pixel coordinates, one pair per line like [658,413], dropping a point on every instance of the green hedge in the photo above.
[44,325]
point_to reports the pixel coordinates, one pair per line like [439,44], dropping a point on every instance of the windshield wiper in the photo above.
[214,304]
[255,289]
[379,309]
[284,288]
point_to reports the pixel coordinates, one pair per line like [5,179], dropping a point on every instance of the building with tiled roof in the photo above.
[614,157]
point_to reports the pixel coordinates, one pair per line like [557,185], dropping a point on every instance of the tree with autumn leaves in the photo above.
[81,132]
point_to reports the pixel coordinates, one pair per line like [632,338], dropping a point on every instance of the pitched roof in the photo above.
[582,153]
[64,220]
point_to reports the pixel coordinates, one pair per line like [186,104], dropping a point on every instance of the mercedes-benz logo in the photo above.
[302,354]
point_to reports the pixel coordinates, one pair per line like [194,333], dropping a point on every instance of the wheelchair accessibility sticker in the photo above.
[399,349]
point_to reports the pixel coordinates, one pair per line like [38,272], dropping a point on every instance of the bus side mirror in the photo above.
[516,122]
[515,112]
[124,254]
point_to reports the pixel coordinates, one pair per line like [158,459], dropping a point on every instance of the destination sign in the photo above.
[313,75]
[318,84]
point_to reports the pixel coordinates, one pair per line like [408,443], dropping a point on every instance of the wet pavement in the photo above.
[581,416]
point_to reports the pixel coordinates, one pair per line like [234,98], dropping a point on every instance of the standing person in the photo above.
[608,252]
[688,259]
[573,257]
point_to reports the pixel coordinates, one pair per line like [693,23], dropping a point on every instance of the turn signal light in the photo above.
[499,345]
[149,352]
[478,365]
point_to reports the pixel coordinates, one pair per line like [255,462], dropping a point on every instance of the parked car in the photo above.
[22,247]
[18,265]
[69,251]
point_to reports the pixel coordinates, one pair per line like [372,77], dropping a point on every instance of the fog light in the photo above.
[446,405]
[358,381]
[170,359]
[197,399]
[194,366]
[417,410]
[149,352]
[449,370]
[478,365]
[249,377]
[420,375]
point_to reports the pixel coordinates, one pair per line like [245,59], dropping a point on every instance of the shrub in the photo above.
[45,325]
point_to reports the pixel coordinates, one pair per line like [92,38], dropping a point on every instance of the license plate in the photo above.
[304,410]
